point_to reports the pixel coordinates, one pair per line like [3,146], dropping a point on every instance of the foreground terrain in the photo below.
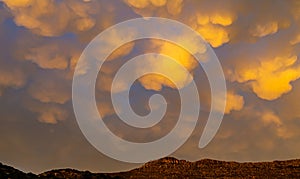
[173,168]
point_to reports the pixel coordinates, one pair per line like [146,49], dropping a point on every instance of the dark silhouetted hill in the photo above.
[172,168]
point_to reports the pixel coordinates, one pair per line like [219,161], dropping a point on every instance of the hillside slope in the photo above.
[172,168]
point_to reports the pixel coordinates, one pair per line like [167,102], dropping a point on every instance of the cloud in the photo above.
[295,40]
[215,35]
[257,44]
[233,102]
[210,25]
[148,7]
[51,55]
[145,3]
[270,78]
[269,118]
[121,51]
[11,77]
[53,18]
[50,88]
[49,113]
[262,30]
[156,82]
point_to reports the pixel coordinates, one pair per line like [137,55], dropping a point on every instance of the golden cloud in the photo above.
[270,78]
[234,102]
[49,18]
[215,35]
[11,77]
[270,118]
[50,114]
[184,58]
[49,56]
[54,89]
[261,30]
[148,7]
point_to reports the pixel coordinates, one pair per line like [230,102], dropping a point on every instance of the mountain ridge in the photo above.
[170,167]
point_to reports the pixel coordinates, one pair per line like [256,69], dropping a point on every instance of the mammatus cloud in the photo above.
[52,18]
[234,102]
[54,89]
[257,44]
[270,78]
[269,118]
[150,7]
[209,25]
[184,58]
[55,55]
[48,113]
[213,27]
[261,30]
[15,78]
[11,79]
[216,26]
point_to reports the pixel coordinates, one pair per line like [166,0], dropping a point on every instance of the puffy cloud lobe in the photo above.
[215,35]
[52,115]
[156,82]
[262,30]
[49,113]
[145,3]
[209,25]
[269,118]
[151,81]
[115,39]
[18,3]
[49,56]
[11,77]
[147,7]
[174,7]
[270,78]
[122,51]
[234,102]
[50,89]
[212,26]
[52,18]
[222,19]
[295,40]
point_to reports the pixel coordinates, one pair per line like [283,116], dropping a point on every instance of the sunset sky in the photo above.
[257,43]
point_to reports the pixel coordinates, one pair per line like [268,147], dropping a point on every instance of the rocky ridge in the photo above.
[173,168]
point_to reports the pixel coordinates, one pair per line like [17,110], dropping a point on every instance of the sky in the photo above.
[256,42]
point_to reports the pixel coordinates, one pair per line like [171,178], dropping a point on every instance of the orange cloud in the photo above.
[271,78]
[156,82]
[11,77]
[148,7]
[261,30]
[234,102]
[215,35]
[222,19]
[49,56]
[295,39]
[269,118]
[49,18]
[50,114]
[212,26]
[50,90]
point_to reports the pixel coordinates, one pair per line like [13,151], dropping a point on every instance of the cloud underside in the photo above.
[257,44]
[268,76]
